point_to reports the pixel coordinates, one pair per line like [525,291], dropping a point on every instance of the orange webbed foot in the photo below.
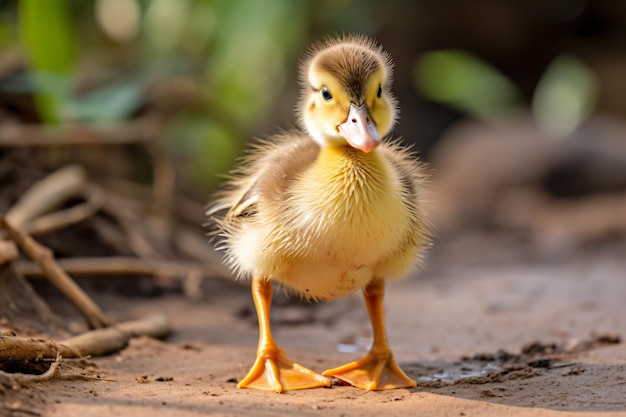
[373,372]
[274,372]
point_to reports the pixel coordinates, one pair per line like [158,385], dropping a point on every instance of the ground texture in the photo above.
[480,338]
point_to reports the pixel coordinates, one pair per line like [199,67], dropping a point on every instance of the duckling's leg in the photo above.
[377,370]
[271,370]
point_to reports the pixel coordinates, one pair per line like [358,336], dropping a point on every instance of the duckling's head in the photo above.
[346,97]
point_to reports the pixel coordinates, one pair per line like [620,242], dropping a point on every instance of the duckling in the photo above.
[328,210]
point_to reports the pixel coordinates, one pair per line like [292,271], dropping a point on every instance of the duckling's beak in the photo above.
[359,129]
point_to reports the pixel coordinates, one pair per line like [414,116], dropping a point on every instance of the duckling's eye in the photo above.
[380,91]
[326,94]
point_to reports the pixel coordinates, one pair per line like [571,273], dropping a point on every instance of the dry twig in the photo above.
[103,341]
[92,343]
[48,194]
[64,218]
[127,214]
[45,260]
[19,349]
[136,131]
[120,265]
[164,184]
[23,379]
[8,251]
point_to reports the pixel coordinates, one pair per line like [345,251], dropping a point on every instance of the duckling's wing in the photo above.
[228,204]
[265,175]
[244,207]
[247,204]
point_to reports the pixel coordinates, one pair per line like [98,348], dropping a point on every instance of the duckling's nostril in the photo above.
[353,120]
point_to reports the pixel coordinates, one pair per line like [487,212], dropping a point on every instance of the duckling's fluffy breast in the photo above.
[325,221]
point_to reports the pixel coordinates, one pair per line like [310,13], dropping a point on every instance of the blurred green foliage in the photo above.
[47,34]
[565,95]
[464,81]
[238,52]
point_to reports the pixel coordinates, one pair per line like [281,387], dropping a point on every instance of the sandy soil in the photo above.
[481,338]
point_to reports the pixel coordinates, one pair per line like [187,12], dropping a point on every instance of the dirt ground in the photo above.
[480,337]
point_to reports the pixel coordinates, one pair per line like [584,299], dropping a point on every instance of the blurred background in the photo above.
[518,106]
[120,118]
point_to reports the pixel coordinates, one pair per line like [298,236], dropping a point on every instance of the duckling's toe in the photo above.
[274,372]
[374,372]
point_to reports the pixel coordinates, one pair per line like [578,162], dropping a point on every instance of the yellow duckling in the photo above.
[328,210]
